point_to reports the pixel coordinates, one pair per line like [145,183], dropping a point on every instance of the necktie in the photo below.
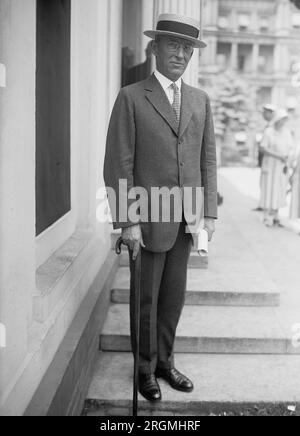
[176,102]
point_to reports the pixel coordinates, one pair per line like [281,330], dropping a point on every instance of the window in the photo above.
[244,22]
[241,63]
[266,59]
[262,64]
[296,21]
[223,22]
[264,24]
[223,54]
[245,58]
[53,172]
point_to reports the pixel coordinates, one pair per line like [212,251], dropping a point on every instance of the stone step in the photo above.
[222,383]
[213,287]
[224,330]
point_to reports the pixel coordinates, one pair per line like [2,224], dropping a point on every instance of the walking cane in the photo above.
[136,322]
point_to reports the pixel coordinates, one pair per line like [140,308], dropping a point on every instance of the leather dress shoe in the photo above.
[175,379]
[149,387]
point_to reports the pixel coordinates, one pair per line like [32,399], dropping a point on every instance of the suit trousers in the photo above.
[163,289]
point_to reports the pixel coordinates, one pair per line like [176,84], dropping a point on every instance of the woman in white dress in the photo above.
[295,172]
[278,148]
[295,191]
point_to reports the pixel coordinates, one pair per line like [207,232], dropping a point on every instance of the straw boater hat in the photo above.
[179,26]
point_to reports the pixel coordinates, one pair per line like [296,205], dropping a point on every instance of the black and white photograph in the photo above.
[149,210]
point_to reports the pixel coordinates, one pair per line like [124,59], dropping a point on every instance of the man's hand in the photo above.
[209,226]
[132,237]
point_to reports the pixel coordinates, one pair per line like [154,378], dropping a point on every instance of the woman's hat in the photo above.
[281,114]
[179,26]
[269,107]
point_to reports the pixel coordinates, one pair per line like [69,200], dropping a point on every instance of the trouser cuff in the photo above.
[165,365]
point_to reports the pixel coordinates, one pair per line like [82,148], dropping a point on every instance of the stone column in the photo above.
[281,58]
[234,56]
[148,22]
[255,56]
[17,186]
[211,51]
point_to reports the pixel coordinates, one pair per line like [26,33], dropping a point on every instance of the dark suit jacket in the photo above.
[145,147]
[138,72]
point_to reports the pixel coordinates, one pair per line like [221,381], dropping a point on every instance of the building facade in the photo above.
[60,72]
[259,39]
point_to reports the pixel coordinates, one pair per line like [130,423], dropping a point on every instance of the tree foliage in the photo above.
[233,102]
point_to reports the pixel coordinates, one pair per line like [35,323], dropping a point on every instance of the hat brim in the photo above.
[269,108]
[282,117]
[153,33]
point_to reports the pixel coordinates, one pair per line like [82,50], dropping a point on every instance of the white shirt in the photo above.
[167,84]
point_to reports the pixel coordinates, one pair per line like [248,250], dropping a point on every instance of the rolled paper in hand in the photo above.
[203,243]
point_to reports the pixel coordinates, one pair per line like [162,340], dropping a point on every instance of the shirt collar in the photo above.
[165,82]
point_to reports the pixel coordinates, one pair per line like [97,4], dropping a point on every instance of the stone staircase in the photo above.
[229,340]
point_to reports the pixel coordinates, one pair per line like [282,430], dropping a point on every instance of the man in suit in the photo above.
[161,134]
[141,71]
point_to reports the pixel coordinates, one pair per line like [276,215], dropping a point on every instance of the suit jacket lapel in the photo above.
[157,97]
[186,108]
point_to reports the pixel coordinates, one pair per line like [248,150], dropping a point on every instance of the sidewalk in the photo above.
[278,249]
[246,181]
